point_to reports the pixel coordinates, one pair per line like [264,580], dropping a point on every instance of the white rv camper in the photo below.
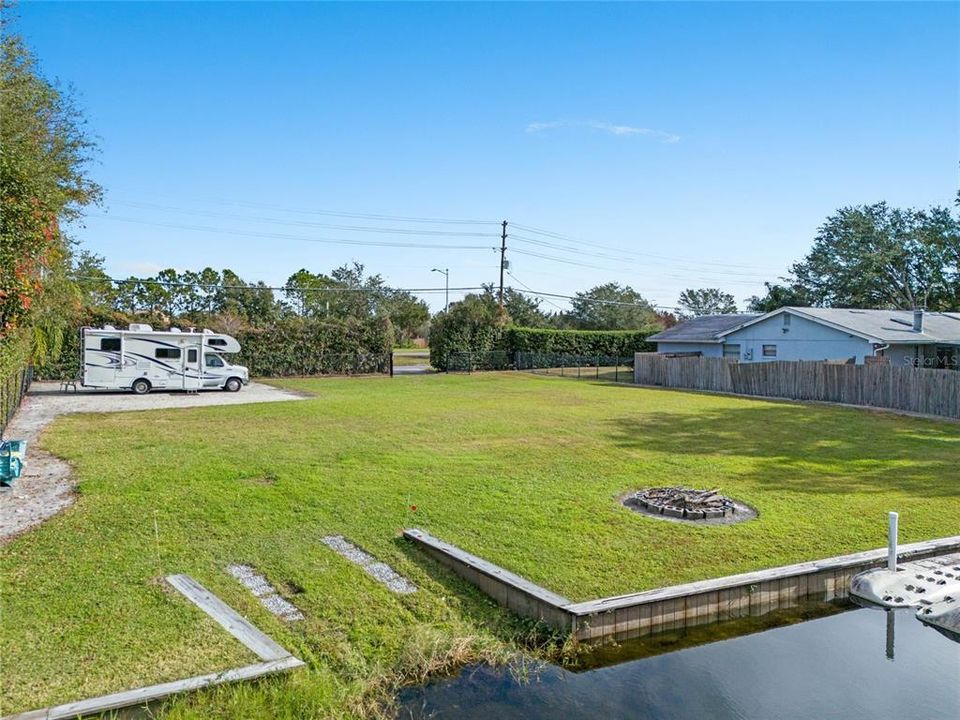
[143,359]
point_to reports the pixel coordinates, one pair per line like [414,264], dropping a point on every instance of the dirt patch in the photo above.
[293,588]
[46,487]
[268,479]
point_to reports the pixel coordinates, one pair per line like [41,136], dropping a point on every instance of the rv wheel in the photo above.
[141,386]
[232,385]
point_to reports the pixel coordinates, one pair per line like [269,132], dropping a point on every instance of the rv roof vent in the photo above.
[175,330]
[207,331]
[140,327]
[109,327]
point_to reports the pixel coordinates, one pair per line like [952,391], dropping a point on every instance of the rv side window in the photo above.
[191,355]
[213,361]
[219,342]
[168,353]
[111,344]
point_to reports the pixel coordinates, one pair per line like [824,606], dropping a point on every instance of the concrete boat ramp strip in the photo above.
[273,658]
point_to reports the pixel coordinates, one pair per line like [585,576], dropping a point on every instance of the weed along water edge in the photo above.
[852,663]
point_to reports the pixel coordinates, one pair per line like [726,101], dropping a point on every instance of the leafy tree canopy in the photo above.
[611,307]
[706,301]
[45,152]
[875,256]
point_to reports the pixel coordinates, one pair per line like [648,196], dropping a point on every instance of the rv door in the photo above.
[192,370]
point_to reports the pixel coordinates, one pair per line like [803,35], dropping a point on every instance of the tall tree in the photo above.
[611,307]
[45,153]
[706,301]
[878,256]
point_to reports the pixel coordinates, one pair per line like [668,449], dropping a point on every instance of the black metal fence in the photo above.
[585,367]
[13,386]
[612,368]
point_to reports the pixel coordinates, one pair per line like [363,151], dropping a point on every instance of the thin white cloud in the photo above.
[606,127]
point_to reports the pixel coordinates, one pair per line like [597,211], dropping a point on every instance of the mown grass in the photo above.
[521,469]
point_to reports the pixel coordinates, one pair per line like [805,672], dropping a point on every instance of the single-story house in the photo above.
[900,337]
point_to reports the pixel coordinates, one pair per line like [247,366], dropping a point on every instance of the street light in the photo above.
[446,275]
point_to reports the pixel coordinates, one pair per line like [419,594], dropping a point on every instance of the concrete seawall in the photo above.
[699,603]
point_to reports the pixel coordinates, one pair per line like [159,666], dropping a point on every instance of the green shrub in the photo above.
[472,325]
[306,346]
[588,343]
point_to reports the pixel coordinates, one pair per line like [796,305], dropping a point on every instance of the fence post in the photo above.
[579,363]
[598,367]
[561,365]
[616,370]
[391,364]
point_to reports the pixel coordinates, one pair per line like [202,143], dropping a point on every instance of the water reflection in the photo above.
[840,666]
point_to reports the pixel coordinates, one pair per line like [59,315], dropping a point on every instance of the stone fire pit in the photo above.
[689,505]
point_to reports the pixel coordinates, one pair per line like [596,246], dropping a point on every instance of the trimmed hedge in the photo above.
[299,346]
[449,341]
[588,343]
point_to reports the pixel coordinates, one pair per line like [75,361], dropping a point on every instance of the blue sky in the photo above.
[702,144]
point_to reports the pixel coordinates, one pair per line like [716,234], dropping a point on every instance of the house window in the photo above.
[786,320]
[770,351]
[213,361]
[110,344]
[731,351]
[192,355]
[167,353]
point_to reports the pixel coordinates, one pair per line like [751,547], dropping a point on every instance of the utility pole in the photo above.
[503,260]
[446,275]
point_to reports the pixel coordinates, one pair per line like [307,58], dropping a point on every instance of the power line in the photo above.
[622,259]
[305,223]
[357,215]
[284,236]
[569,238]
[279,288]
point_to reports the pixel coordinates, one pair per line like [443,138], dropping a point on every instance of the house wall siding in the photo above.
[804,340]
[901,355]
[706,349]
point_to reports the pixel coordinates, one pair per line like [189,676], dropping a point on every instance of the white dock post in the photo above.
[892,541]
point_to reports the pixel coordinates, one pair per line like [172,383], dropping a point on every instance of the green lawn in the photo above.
[521,469]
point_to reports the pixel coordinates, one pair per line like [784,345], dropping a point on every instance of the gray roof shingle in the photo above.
[881,326]
[702,329]
[890,326]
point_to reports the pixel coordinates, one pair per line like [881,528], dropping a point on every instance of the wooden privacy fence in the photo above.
[920,390]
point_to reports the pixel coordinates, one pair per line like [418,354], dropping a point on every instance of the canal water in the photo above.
[853,664]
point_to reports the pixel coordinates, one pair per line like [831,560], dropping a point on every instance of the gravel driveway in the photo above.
[46,488]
